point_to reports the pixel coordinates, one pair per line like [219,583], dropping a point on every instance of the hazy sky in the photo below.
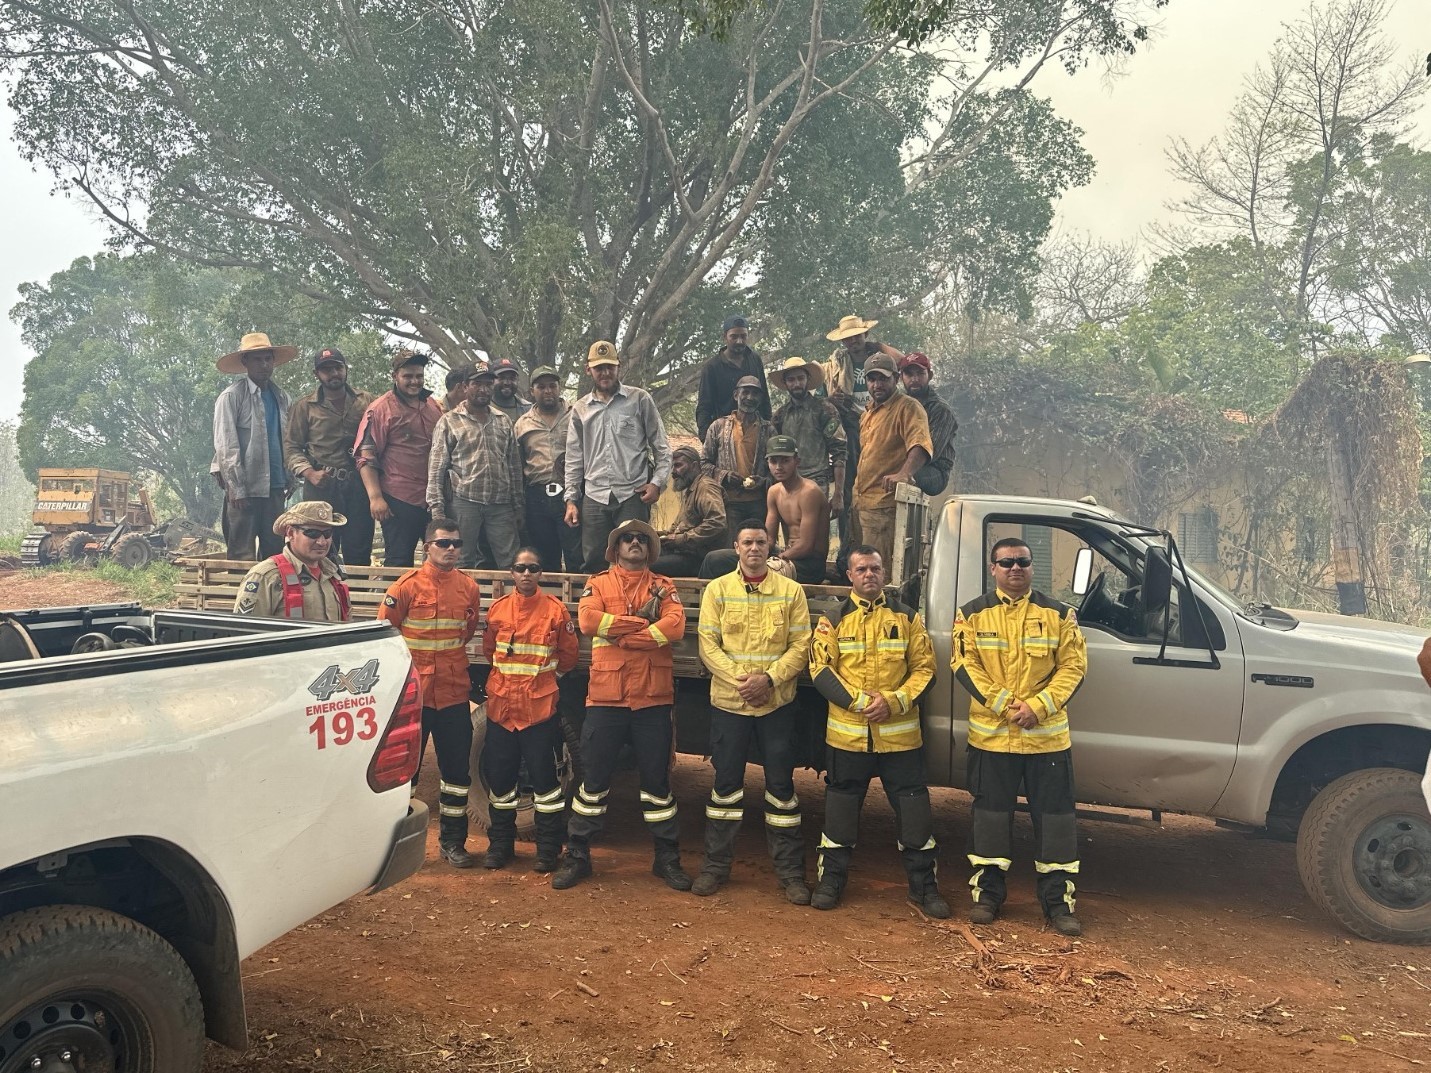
[1180,85]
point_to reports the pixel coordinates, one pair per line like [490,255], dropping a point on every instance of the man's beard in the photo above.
[738,350]
[682,483]
[747,408]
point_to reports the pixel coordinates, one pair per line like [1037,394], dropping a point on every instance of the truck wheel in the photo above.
[1364,852]
[84,988]
[72,547]
[568,775]
[132,551]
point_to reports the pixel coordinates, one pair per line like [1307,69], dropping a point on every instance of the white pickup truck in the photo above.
[176,790]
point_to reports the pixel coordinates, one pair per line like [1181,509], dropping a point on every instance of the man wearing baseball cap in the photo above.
[715,396]
[916,374]
[301,581]
[617,456]
[318,450]
[894,443]
[393,442]
[541,440]
[505,396]
[734,452]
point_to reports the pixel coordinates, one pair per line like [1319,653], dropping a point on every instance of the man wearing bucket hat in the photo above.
[715,396]
[632,616]
[915,373]
[250,416]
[541,441]
[814,424]
[617,456]
[301,581]
[734,452]
[392,446]
[318,449]
[894,438]
[845,383]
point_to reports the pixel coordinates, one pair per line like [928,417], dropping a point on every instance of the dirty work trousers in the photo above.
[548,532]
[597,521]
[498,523]
[605,731]
[847,780]
[249,529]
[503,752]
[1047,780]
[451,732]
[774,736]
[402,532]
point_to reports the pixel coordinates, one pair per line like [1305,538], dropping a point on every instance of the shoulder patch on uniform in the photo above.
[250,586]
[1073,616]
[586,592]
[389,601]
[244,606]
[569,627]
[823,626]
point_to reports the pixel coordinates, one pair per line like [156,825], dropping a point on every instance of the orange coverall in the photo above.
[528,640]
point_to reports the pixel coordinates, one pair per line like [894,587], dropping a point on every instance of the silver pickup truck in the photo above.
[176,790]
[1299,722]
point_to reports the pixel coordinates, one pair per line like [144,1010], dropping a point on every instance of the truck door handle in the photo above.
[1296,681]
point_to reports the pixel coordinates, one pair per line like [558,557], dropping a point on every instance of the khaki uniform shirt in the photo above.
[261,593]
[543,444]
[887,433]
[321,435]
[814,424]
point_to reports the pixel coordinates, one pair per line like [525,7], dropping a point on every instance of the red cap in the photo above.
[915,357]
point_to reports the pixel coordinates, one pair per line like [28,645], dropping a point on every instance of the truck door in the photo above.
[1146,734]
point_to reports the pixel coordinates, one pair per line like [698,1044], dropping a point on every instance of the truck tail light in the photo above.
[400,748]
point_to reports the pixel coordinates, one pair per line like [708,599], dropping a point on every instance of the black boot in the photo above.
[787,854]
[720,854]
[452,841]
[551,833]
[924,884]
[575,867]
[667,865]
[499,854]
[834,870]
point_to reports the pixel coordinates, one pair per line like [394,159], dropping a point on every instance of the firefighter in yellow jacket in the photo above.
[871,660]
[1021,656]
[755,641]
[528,641]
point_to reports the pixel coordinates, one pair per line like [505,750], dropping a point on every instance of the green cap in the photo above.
[781,447]
[544,370]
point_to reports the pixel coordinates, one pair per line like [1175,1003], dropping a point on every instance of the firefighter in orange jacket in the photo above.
[528,641]
[435,608]
[632,617]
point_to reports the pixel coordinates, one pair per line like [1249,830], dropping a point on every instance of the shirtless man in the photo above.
[802,510]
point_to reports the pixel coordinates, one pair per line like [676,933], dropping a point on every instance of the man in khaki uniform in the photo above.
[300,581]
[894,443]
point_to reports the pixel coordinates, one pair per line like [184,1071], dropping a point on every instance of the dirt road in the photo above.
[1201,953]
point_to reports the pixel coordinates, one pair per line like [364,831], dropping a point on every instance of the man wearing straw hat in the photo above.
[814,424]
[845,383]
[250,417]
[301,581]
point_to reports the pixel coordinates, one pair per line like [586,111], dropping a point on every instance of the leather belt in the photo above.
[552,488]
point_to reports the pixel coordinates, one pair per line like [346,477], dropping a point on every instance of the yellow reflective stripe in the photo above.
[663,814]
[601,642]
[1045,867]
[657,634]
[584,792]
[1001,646]
[433,624]
[446,644]
[452,810]
[889,729]
[1004,863]
[856,725]
[528,650]
[549,796]
[578,805]
[1047,698]
[728,799]
[782,819]
[826,843]
[529,669]
[652,799]
[1001,700]
[452,788]
[893,646]
[604,624]
[713,813]
[1044,731]
[771,799]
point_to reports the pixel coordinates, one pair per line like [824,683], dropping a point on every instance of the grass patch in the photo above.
[152,585]
[10,543]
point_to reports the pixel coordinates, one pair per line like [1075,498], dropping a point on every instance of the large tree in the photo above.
[124,373]
[526,175]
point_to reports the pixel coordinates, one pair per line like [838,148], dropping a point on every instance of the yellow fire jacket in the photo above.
[753,629]
[866,648]
[1028,649]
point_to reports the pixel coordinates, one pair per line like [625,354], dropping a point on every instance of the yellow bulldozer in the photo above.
[83,515]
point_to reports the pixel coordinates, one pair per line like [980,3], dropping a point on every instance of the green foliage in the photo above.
[525,177]
[124,372]
[152,585]
[17,494]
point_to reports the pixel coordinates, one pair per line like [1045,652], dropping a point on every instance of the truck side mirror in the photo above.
[1082,571]
[1157,580]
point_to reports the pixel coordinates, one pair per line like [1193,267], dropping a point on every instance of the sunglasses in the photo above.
[447,542]
[1010,563]
[317,534]
[526,568]
[640,538]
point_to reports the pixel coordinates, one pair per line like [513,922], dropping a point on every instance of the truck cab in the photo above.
[1196,702]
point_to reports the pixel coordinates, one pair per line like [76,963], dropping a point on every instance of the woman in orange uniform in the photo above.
[528,641]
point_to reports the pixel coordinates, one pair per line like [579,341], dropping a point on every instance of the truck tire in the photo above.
[1364,853]
[132,551]
[568,775]
[72,547]
[100,986]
